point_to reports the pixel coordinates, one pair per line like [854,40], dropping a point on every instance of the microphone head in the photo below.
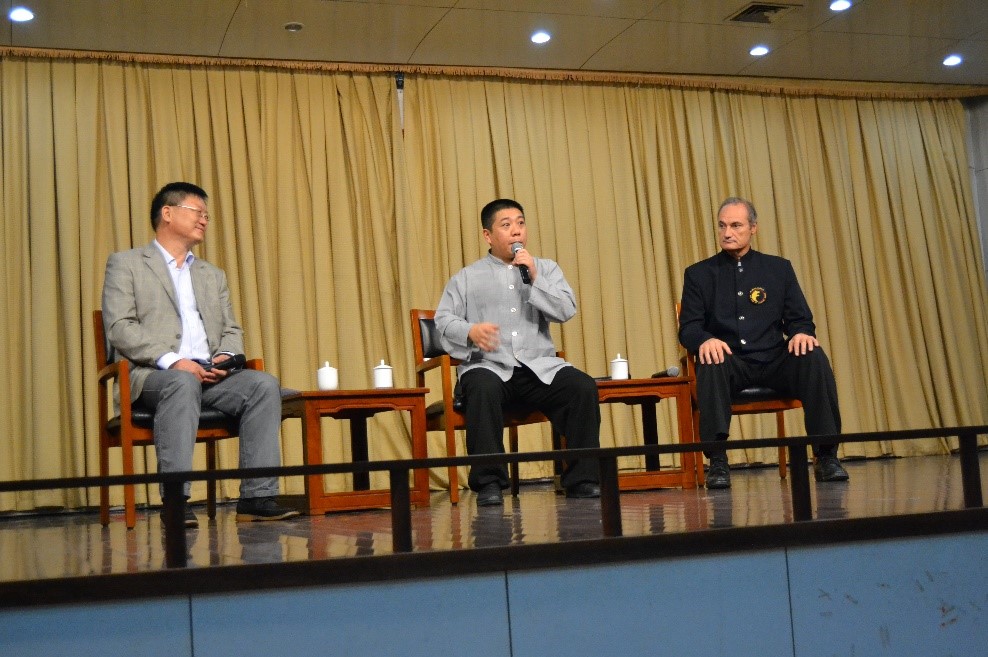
[673,371]
[516,247]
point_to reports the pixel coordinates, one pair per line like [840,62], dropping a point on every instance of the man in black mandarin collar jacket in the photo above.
[746,319]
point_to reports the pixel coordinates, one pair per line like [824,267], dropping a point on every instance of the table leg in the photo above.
[650,433]
[420,450]
[358,448]
[312,441]
[687,433]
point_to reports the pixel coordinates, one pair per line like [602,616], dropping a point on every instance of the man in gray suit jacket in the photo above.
[169,313]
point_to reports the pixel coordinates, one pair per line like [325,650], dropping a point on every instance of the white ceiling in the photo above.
[877,40]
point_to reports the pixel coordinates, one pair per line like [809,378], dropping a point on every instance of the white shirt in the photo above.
[194,344]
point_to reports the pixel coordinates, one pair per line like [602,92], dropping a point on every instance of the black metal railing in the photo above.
[610,501]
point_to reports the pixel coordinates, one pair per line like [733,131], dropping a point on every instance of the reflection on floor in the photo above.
[66,545]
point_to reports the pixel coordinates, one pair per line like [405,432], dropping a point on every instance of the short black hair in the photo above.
[173,194]
[492,208]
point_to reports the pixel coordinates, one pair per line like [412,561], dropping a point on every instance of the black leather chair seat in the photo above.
[210,418]
[756,393]
[434,409]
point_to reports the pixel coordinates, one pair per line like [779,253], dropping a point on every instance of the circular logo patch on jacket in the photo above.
[757,295]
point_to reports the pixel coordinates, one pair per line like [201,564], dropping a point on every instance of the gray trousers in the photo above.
[254,397]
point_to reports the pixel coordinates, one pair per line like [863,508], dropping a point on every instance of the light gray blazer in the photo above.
[141,316]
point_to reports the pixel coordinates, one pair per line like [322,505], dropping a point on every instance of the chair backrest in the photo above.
[424,335]
[103,348]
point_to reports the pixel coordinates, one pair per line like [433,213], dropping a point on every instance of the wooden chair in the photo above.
[446,415]
[132,426]
[750,401]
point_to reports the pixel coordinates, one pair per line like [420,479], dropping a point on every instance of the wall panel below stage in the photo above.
[914,596]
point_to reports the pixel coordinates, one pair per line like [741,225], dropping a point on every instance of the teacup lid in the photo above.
[619,359]
[383,366]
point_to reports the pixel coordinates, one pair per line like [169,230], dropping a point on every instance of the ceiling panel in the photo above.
[839,55]
[605,8]
[803,15]
[949,19]
[149,26]
[664,47]
[471,37]
[975,54]
[890,40]
[332,31]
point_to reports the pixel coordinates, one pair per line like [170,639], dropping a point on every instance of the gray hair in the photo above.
[737,200]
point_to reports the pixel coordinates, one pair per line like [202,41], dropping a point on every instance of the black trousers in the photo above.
[808,378]
[570,402]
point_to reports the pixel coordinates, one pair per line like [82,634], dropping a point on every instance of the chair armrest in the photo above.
[108,373]
[430,364]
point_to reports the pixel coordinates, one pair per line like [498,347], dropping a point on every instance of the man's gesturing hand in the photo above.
[485,335]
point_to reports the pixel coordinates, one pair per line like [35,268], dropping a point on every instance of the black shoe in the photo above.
[490,495]
[584,490]
[828,468]
[718,473]
[191,522]
[250,509]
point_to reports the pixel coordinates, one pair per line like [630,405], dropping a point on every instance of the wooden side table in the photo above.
[647,393]
[356,406]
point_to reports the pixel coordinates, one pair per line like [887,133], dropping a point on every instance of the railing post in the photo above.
[610,499]
[401,511]
[970,470]
[176,551]
[799,483]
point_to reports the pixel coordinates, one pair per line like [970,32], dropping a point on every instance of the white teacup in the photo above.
[328,378]
[619,368]
[383,376]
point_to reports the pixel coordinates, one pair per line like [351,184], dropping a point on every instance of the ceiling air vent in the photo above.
[762,12]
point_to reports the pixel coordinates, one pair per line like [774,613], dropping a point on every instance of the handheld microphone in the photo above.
[668,372]
[233,363]
[526,278]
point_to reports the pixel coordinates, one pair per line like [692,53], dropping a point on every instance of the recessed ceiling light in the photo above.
[293,27]
[953,60]
[541,37]
[21,14]
[840,5]
[758,51]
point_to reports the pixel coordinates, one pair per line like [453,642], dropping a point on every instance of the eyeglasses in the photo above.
[202,213]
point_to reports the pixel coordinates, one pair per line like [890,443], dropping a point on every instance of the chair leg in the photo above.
[454,478]
[104,491]
[513,446]
[130,504]
[780,425]
[701,476]
[557,465]
[211,485]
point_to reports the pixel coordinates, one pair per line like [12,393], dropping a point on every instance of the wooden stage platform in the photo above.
[63,547]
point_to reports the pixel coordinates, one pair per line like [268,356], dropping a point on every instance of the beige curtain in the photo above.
[870,200]
[299,167]
[332,220]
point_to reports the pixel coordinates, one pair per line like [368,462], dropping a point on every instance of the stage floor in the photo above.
[36,547]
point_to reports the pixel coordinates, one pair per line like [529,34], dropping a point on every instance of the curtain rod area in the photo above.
[777,86]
